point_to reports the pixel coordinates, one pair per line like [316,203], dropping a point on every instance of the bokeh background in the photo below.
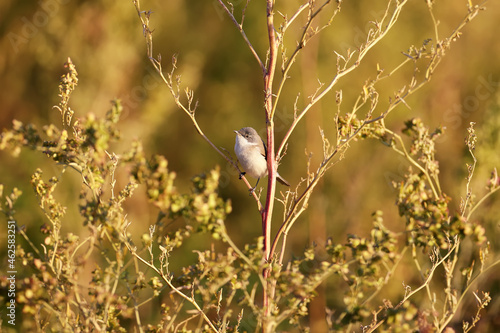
[104,40]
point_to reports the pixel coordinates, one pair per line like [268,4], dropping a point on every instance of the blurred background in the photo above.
[104,40]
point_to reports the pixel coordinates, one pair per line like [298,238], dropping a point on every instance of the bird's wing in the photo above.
[263,151]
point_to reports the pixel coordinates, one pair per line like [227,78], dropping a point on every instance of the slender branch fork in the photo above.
[168,279]
[243,34]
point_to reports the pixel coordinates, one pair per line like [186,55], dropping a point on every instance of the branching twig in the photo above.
[341,72]
[168,280]
[300,44]
[435,59]
[243,34]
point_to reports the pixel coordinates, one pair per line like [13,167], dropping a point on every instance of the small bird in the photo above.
[252,154]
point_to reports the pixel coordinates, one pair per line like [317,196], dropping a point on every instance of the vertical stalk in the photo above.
[271,164]
[271,160]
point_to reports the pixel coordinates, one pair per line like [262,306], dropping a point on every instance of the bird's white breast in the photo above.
[252,161]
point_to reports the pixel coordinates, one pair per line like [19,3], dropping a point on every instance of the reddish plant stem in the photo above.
[271,163]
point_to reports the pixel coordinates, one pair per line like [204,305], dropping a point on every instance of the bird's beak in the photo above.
[237,133]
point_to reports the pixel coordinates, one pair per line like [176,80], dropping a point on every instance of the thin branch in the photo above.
[480,202]
[430,274]
[293,214]
[294,16]
[459,301]
[176,290]
[407,155]
[243,34]
[389,274]
[423,285]
[226,237]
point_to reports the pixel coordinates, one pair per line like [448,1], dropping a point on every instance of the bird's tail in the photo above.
[282,180]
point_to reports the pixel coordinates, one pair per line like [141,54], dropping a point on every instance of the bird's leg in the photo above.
[253,188]
[242,174]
